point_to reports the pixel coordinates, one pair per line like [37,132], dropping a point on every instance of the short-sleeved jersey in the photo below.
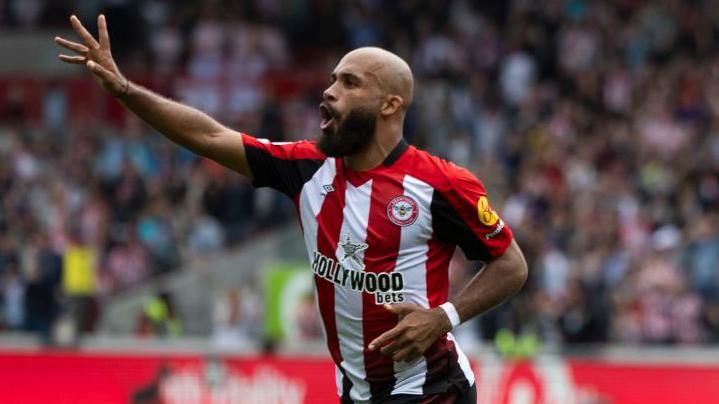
[385,235]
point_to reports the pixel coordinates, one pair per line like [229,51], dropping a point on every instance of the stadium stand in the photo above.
[594,123]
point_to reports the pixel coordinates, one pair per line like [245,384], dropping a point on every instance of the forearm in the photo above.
[501,279]
[419,327]
[180,123]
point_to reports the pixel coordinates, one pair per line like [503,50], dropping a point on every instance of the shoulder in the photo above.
[299,150]
[441,174]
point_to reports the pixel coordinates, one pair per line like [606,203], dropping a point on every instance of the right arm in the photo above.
[188,127]
[180,123]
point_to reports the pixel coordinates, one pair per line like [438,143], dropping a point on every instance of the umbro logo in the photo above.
[328,188]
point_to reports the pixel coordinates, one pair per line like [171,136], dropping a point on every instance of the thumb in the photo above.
[402,309]
[110,81]
[100,72]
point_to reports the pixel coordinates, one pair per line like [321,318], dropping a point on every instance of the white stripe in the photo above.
[412,263]
[463,361]
[413,244]
[338,381]
[311,199]
[348,302]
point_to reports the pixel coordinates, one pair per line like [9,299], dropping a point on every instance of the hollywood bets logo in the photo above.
[347,270]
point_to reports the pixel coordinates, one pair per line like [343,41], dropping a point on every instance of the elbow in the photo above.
[517,268]
[521,273]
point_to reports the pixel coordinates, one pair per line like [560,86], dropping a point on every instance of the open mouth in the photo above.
[327,116]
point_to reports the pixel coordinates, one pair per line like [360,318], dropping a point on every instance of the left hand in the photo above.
[417,329]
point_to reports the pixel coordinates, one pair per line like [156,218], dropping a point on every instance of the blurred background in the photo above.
[594,125]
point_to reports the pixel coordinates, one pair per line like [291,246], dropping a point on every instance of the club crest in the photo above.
[402,210]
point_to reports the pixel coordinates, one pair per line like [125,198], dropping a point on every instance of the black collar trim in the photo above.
[396,153]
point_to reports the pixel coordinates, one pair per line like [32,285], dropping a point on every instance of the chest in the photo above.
[390,214]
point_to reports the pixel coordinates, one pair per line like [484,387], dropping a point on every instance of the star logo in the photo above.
[351,250]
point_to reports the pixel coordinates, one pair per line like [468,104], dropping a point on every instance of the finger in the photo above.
[82,33]
[393,346]
[102,32]
[405,354]
[100,71]
[76,60]
[402,309]
[73,46]
[387,336]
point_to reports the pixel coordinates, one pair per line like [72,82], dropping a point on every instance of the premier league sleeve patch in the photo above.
[402,210]
[488,217]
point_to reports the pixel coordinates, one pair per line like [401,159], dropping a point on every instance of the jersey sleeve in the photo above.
[284,166]
[463,216]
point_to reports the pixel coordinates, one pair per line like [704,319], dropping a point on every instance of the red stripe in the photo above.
[383,238]
[438,256]
[329,221]
[438,357]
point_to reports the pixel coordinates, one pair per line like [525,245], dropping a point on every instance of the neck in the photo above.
[386,138]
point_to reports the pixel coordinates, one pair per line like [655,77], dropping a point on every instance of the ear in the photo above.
[391,104]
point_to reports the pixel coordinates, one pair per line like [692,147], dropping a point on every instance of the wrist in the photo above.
[125,89]
[451,313]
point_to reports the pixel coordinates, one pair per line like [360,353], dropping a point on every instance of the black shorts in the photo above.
[454,395]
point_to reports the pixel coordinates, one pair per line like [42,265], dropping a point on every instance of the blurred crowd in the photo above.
[594,126]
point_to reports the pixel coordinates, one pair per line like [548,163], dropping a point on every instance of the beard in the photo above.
[354,133]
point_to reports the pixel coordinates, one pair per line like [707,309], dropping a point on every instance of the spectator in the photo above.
[13,291]
[127,262]
[598,122]
[308,321]
[160,318]
[155,231]
[79,282]
[206,235]
[40,304]
[236,319]
[42,292]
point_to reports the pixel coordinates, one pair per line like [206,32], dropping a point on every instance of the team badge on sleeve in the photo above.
[402,210]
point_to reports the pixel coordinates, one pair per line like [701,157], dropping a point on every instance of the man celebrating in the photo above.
[381,220]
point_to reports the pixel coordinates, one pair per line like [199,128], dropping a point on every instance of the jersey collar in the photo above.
[396,153]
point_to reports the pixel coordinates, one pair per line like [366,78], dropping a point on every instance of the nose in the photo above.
[328,94]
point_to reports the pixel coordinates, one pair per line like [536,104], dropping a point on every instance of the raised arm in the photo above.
[180,123]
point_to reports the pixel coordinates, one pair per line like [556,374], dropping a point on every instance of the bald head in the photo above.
[393,74]
[364,107]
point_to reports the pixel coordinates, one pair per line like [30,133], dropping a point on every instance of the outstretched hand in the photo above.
[96,56]
[416,331]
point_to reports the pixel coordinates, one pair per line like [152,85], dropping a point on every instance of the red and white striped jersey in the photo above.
[382,236]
